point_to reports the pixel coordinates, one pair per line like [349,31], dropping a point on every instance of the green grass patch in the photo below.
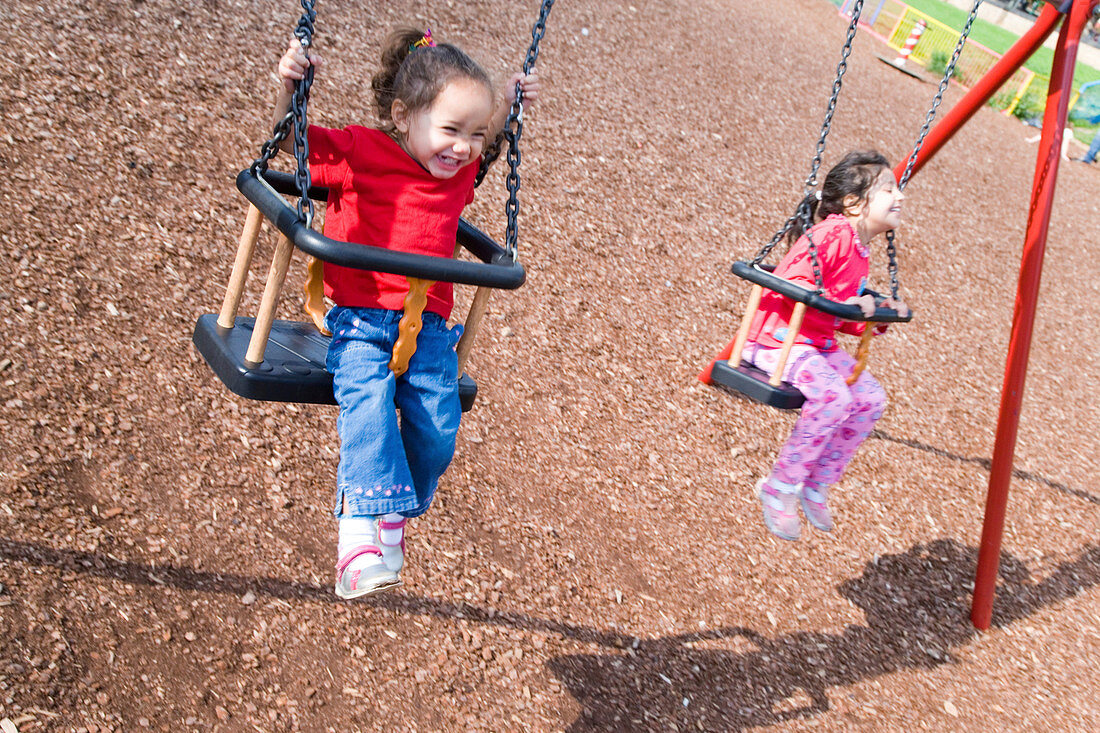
[998,39]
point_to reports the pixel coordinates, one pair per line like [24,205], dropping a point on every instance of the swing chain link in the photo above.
[891,247]
[296,119]
[938,99]
[803,212]
[892,267]
[512,132]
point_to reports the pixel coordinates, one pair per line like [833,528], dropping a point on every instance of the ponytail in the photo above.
[806,212]
[415,72]
[853,175]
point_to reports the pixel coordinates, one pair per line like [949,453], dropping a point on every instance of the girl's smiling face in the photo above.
[881,210]
[451,132]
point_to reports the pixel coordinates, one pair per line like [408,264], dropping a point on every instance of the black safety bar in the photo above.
[495,270]
[764,278]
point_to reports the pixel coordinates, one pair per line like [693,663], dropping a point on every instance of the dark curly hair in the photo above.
[417,75]
[853,175]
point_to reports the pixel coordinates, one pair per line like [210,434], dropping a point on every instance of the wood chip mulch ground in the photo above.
[595,559]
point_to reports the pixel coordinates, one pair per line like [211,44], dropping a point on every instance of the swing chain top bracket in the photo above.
[803,211]
[296,118]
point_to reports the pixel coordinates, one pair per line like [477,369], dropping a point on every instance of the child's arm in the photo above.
[529,84]
[292,67]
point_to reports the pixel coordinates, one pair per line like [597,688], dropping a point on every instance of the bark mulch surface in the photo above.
[595,559]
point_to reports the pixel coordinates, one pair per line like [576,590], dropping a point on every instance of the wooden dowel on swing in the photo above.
[473,320]
[266,315]
[792,333]
[245,250]
[746,323]
[862,353]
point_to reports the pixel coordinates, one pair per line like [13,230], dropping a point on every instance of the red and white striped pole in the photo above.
[910,42]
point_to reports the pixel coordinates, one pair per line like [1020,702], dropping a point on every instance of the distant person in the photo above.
[1094,149]
[858,201]
[1067,140]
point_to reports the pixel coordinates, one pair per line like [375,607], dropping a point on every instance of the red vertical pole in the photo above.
[984,88]
[1027,291]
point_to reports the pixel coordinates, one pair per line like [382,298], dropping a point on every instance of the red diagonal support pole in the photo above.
[1027,292]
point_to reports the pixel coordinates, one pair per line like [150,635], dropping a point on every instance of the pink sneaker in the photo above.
[367,578]
[780,511]
[813,496]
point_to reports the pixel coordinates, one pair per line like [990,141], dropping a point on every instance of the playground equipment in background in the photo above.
[892,22]
[903,53]
[729,370]
[1085,107]
[263,358]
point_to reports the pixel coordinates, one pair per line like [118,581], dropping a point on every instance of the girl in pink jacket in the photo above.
[858,201]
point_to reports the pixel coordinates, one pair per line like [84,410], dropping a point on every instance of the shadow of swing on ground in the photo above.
[987,464]
[916,604]
[105,566]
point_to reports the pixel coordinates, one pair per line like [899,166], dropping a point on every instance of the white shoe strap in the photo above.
[814,495]
[772,501]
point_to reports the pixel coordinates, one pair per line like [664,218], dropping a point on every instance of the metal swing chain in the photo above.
[513,130]
[938,99]
[803,211]
[492,151]
[295,118]
[891,248]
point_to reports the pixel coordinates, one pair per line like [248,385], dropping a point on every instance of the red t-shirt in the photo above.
[845,264]
[380,196]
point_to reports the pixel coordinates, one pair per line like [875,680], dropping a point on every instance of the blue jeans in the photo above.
[1094,149]
[387,464]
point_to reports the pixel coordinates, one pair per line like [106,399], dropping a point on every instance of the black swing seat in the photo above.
[293,367]
[752,382]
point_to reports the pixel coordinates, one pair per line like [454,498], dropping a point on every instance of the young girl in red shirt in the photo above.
[858,201]
[402,186]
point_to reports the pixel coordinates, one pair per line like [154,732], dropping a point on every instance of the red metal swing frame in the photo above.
[1031,265]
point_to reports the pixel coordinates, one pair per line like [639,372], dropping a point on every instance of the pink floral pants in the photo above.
[836,418]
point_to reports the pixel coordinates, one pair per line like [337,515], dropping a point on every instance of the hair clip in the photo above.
[424,41]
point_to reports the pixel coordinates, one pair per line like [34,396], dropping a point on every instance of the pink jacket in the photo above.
[844,263]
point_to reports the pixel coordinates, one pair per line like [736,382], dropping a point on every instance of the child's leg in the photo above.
[868,402]
[427,395]
[825,408]
[373,476]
